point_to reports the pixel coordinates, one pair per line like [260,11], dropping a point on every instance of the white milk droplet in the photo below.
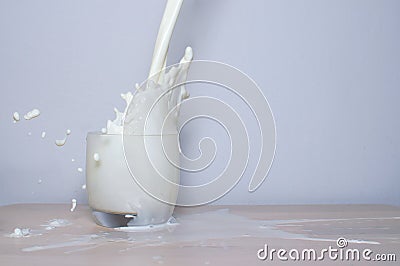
[73,204]
[20,232]
[56,223]
[84,186]
[104,130]
[29,133]
[96,157]
[61,142]
[39,181]
[16,117]
[72,160]
[43,134]
[32,114]
[80,170]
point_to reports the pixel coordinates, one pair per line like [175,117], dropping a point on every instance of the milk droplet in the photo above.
[104,130]
[29,133]
[96,157]
[17,231]
[72,160]
[80,170]
[61,142]
[84,186]
[43,134]
[20,232]
[39,181]
[73,205]
[16,117]
[32,114]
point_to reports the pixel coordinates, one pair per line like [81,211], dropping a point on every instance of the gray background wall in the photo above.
[330,70]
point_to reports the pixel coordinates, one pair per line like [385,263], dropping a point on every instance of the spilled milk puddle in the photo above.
[187,228]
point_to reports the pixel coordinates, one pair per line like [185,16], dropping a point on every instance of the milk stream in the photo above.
[159,88]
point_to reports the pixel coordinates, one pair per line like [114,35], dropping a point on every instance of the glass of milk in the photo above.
[114,164]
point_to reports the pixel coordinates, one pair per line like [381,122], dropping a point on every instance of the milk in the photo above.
[131,144]
[153,101]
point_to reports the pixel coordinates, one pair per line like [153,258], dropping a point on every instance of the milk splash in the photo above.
[154,101]
[161,94]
